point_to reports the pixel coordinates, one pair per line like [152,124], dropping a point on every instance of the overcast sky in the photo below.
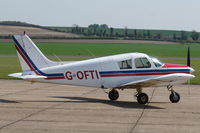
[137,14]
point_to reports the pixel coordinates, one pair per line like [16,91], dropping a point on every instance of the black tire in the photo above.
[113,95]
[174,97]
[142,98]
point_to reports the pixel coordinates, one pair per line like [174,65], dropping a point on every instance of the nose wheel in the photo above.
[113,95]
[174,97]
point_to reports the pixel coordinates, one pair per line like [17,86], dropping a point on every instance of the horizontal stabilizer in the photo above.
[20,75]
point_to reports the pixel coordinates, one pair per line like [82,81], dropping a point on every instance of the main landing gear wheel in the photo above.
[174,97]
[113,95]
[142,98]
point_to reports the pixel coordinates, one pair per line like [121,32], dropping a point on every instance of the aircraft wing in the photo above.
[158,81]
[30,76]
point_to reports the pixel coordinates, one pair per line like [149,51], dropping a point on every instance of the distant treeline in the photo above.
[103,31]
[96,30]
[58,37]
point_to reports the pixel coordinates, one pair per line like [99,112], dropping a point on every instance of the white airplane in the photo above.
[124,71]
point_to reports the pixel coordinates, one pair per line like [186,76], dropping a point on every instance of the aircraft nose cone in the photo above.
[191,70]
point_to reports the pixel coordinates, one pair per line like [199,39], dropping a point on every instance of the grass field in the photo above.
[78,49]
[10,64]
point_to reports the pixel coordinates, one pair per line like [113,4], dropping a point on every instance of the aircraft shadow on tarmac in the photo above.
[122,104]
[7,101]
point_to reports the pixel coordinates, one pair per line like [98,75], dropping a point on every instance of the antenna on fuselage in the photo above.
[90,52]
[59,59]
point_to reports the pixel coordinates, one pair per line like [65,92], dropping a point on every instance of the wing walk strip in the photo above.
[32,66]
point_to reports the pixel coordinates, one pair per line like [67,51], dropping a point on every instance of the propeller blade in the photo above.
[188,64]
[188,56]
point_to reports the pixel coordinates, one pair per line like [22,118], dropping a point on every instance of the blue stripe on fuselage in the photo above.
[145,71]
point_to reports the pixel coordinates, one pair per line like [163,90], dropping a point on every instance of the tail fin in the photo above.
[31,58]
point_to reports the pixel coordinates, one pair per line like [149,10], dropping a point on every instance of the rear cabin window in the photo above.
[142,63]
[125,64]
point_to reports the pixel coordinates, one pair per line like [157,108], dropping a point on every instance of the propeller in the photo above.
[188,56]
[188,64]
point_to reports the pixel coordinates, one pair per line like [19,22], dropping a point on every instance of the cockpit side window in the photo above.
[125,64]
[142,63]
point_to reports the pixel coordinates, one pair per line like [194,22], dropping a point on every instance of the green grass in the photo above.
[11,65]
[85,49]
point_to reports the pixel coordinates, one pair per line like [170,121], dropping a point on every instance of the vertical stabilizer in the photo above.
[31,58]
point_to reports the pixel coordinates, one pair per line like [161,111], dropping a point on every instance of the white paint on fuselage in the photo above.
[108,63]
[91,68]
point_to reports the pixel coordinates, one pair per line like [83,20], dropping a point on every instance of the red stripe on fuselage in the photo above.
[137,74]
[174,66]
[49,78]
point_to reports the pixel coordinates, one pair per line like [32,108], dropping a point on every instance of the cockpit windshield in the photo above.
[156,62]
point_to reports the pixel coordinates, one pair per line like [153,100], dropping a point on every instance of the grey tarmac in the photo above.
[39,107]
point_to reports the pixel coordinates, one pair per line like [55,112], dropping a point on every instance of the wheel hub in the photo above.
[113,95]
[143,99]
